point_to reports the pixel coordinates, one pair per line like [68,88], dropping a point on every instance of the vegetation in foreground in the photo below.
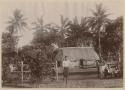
[104,34]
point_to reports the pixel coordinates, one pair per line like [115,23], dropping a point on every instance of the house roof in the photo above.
[76,53]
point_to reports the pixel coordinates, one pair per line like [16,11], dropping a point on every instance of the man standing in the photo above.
[65,64]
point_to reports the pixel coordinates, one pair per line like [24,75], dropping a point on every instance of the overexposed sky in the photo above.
[51,11]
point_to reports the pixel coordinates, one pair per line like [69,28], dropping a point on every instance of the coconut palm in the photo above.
[98,22]
[40,31]
[39,24]
[17,22]
[63,28]
[64,25]
[78,33]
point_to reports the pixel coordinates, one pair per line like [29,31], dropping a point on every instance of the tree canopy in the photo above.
[98,31]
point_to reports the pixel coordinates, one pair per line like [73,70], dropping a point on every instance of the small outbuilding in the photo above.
[79,56]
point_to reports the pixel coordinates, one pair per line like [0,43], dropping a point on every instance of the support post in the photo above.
[56,71]
[119,62]
[22,72]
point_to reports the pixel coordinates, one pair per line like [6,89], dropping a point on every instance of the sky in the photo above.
[51,11]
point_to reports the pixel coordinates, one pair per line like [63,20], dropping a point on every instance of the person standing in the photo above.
[65,65]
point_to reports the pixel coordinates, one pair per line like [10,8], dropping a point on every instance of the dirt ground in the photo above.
[81,79]
[114,83]
[76,81]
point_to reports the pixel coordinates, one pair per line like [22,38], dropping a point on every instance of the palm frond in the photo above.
[17,22]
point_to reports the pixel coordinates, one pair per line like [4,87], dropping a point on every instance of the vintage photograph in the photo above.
[61,44]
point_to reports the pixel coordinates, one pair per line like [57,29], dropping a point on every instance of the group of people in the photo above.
[110,70]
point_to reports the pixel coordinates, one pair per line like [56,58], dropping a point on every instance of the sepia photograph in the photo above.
[61,43]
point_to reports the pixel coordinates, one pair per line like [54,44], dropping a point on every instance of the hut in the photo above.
[78,56]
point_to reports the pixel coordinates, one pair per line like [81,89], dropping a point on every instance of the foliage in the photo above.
[8,53]
[113,40]
[79,34]
[10,41]
[106,36]
[41,62]
[17,22]
[98,23]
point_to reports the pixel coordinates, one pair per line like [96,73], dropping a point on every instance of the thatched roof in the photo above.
[77,53]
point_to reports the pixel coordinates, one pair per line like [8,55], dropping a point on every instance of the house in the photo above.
[78,56]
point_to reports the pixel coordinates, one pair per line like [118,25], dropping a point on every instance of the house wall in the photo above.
[88,63]
[74,55]
[74,63]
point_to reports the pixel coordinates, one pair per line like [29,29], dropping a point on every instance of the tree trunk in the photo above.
[99,46]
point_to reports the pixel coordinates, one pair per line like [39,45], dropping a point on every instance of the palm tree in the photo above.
[17,22]
[39,24]
[40,31]
[78,33]
[63,28]
[98,22]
